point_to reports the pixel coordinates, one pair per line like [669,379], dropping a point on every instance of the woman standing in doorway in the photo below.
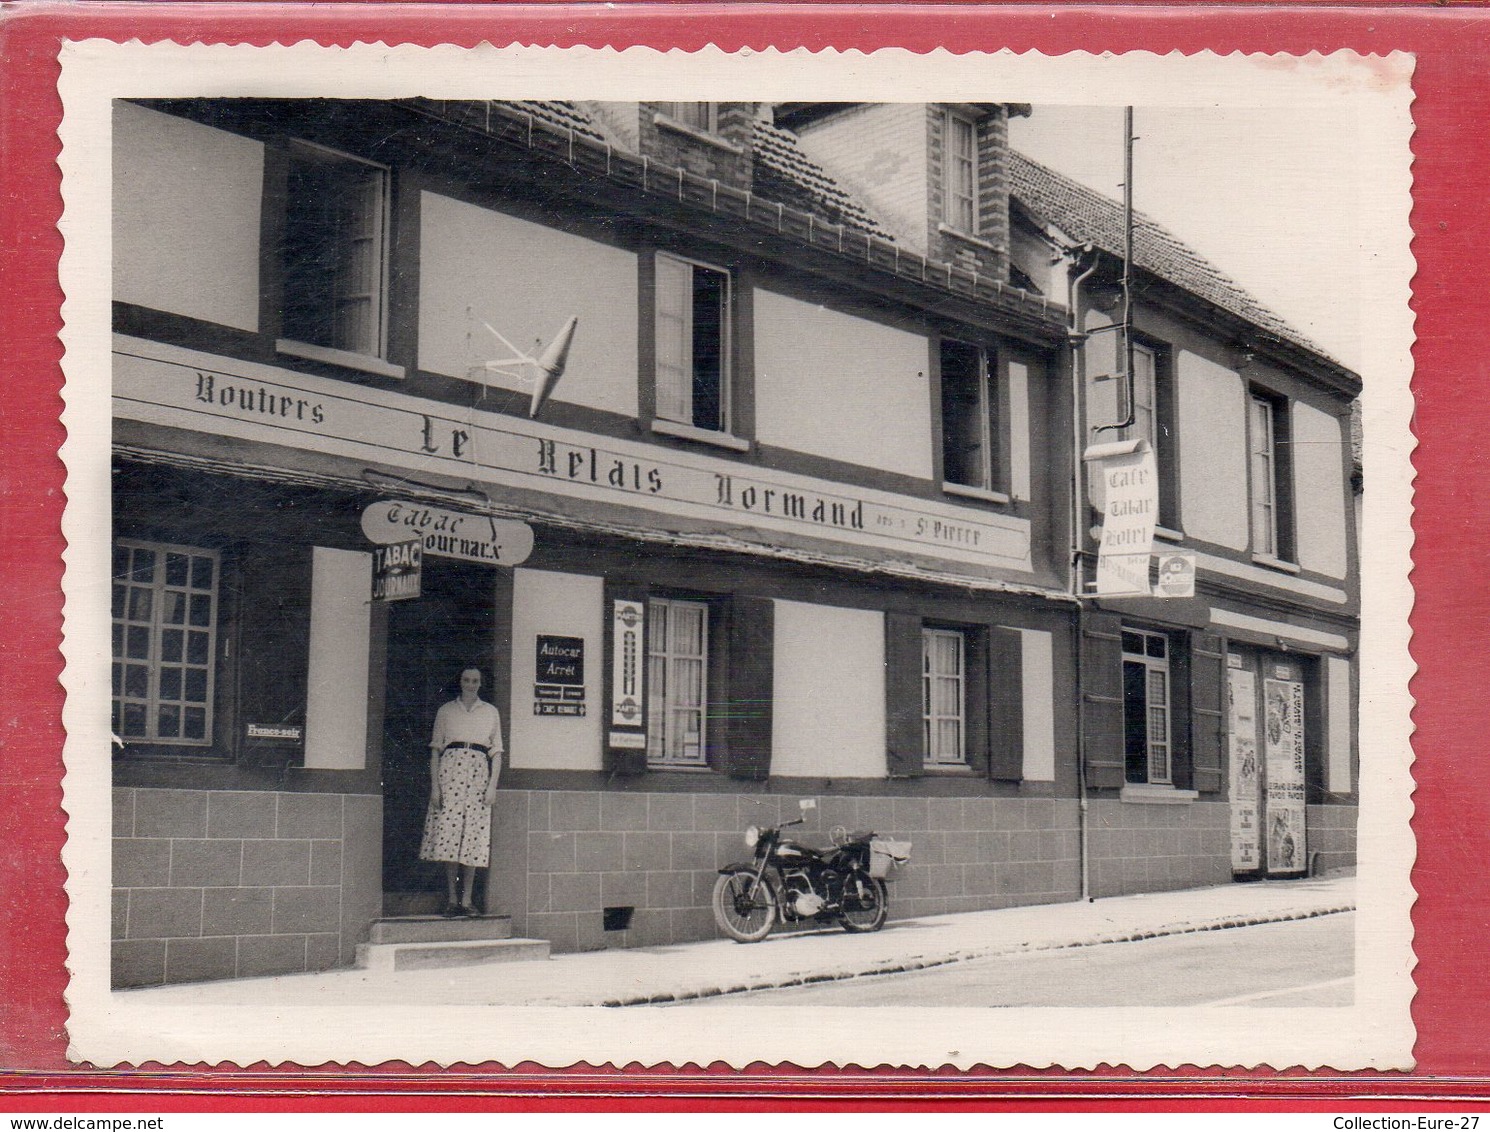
[465,760]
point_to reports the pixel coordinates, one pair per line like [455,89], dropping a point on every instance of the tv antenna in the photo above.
[543,368]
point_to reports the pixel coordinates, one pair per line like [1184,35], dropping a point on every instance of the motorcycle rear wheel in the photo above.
[866,911]
[745,909]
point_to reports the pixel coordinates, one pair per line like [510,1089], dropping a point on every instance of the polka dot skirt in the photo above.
[461,829]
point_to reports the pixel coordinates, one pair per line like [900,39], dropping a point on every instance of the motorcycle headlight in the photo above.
[752,835]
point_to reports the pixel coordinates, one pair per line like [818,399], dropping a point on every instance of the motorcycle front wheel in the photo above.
[745,908]
[866,903]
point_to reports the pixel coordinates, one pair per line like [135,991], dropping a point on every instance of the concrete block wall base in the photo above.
[591,870]
[229,884]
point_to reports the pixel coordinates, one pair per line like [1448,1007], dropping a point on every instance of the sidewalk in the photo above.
[721,967]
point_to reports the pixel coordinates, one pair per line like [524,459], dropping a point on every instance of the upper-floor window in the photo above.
[677,682]
[944,696]
[702,116]
[1269,476]
[1146,707]
[1145,407]
[970,417]
[335,249]
[1151,413]
[164,648]
[961,176]
[693,344]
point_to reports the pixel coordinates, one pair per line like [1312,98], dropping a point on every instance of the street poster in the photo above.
[1285,774]
[1241,693]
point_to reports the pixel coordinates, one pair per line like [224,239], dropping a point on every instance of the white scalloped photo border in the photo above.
[108,1028]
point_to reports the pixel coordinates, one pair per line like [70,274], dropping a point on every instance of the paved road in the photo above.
[1297,963]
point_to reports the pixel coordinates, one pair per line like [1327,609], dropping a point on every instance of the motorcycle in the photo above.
[791,882]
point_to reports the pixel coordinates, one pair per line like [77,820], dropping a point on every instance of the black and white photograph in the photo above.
[826,577]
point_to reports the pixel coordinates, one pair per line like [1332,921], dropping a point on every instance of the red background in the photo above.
[1450,221]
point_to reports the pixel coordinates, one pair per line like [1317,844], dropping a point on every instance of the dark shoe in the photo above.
[468,910]
[452,910]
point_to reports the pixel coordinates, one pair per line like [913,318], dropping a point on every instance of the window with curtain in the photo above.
[677,682]
[1146,707]
[944,696]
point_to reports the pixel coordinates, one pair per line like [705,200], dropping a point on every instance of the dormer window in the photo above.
[961,172]
[700,116]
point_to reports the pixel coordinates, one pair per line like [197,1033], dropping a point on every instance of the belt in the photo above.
[481,747]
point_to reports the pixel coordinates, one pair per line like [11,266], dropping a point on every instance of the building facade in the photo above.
[797,520]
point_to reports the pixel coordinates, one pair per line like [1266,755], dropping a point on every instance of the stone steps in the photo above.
[412,943]
[438,929]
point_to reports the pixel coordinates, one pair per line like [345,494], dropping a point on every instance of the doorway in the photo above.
[1267,756]
[430,638]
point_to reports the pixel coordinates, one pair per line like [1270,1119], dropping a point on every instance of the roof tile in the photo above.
[1089,216]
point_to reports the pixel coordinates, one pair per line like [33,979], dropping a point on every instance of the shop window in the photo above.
[961,188]
[1147,707]
[677,682]
[693,344]
[335,251]
[1269,475]
[701,116]
[971,454]
[944,663]
[164,642]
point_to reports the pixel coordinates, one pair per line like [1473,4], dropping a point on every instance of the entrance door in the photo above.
[1267,765]
[430,639]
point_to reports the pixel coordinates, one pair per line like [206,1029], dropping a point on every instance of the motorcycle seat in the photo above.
[790,849]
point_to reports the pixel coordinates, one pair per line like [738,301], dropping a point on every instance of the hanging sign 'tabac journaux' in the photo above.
[449,534]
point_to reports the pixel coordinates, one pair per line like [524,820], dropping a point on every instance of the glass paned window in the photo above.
[163,673]
[696,115]
[1145,398]
[969,411]
[677,682]
[962,173]
[1146,706]
[693,303]
[335,251]
[944,696]
[1263,471]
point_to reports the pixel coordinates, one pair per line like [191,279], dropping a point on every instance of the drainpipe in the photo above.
[1076,338]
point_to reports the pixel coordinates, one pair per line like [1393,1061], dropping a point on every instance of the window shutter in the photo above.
[626,661]
[1102,699]
[674,367]
[745,715]
[904,723]
[1006,703]
[1208,722]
